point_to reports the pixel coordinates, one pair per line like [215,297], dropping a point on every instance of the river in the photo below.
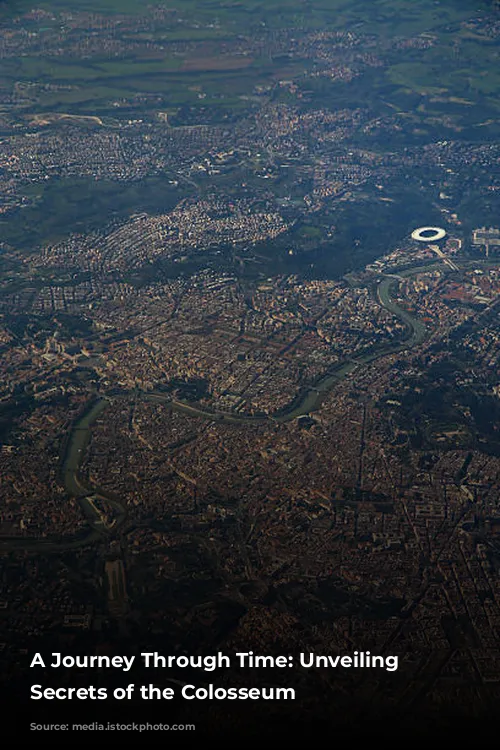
[307,403]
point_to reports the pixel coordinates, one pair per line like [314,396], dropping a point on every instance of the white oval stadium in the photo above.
[428,234]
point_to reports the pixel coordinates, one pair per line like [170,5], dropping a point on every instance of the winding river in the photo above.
[306,403]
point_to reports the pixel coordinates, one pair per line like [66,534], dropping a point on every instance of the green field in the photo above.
[197,29]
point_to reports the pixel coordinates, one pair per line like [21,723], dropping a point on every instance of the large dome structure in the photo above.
[428,234]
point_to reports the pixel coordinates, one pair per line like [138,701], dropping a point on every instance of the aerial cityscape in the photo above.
[250,349]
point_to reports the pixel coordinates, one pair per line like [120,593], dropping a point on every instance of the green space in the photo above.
[171,60]
[99,78]
[82,204]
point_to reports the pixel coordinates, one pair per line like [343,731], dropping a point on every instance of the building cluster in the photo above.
[193,227]
[216,444]
[33,502]
[486,238]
